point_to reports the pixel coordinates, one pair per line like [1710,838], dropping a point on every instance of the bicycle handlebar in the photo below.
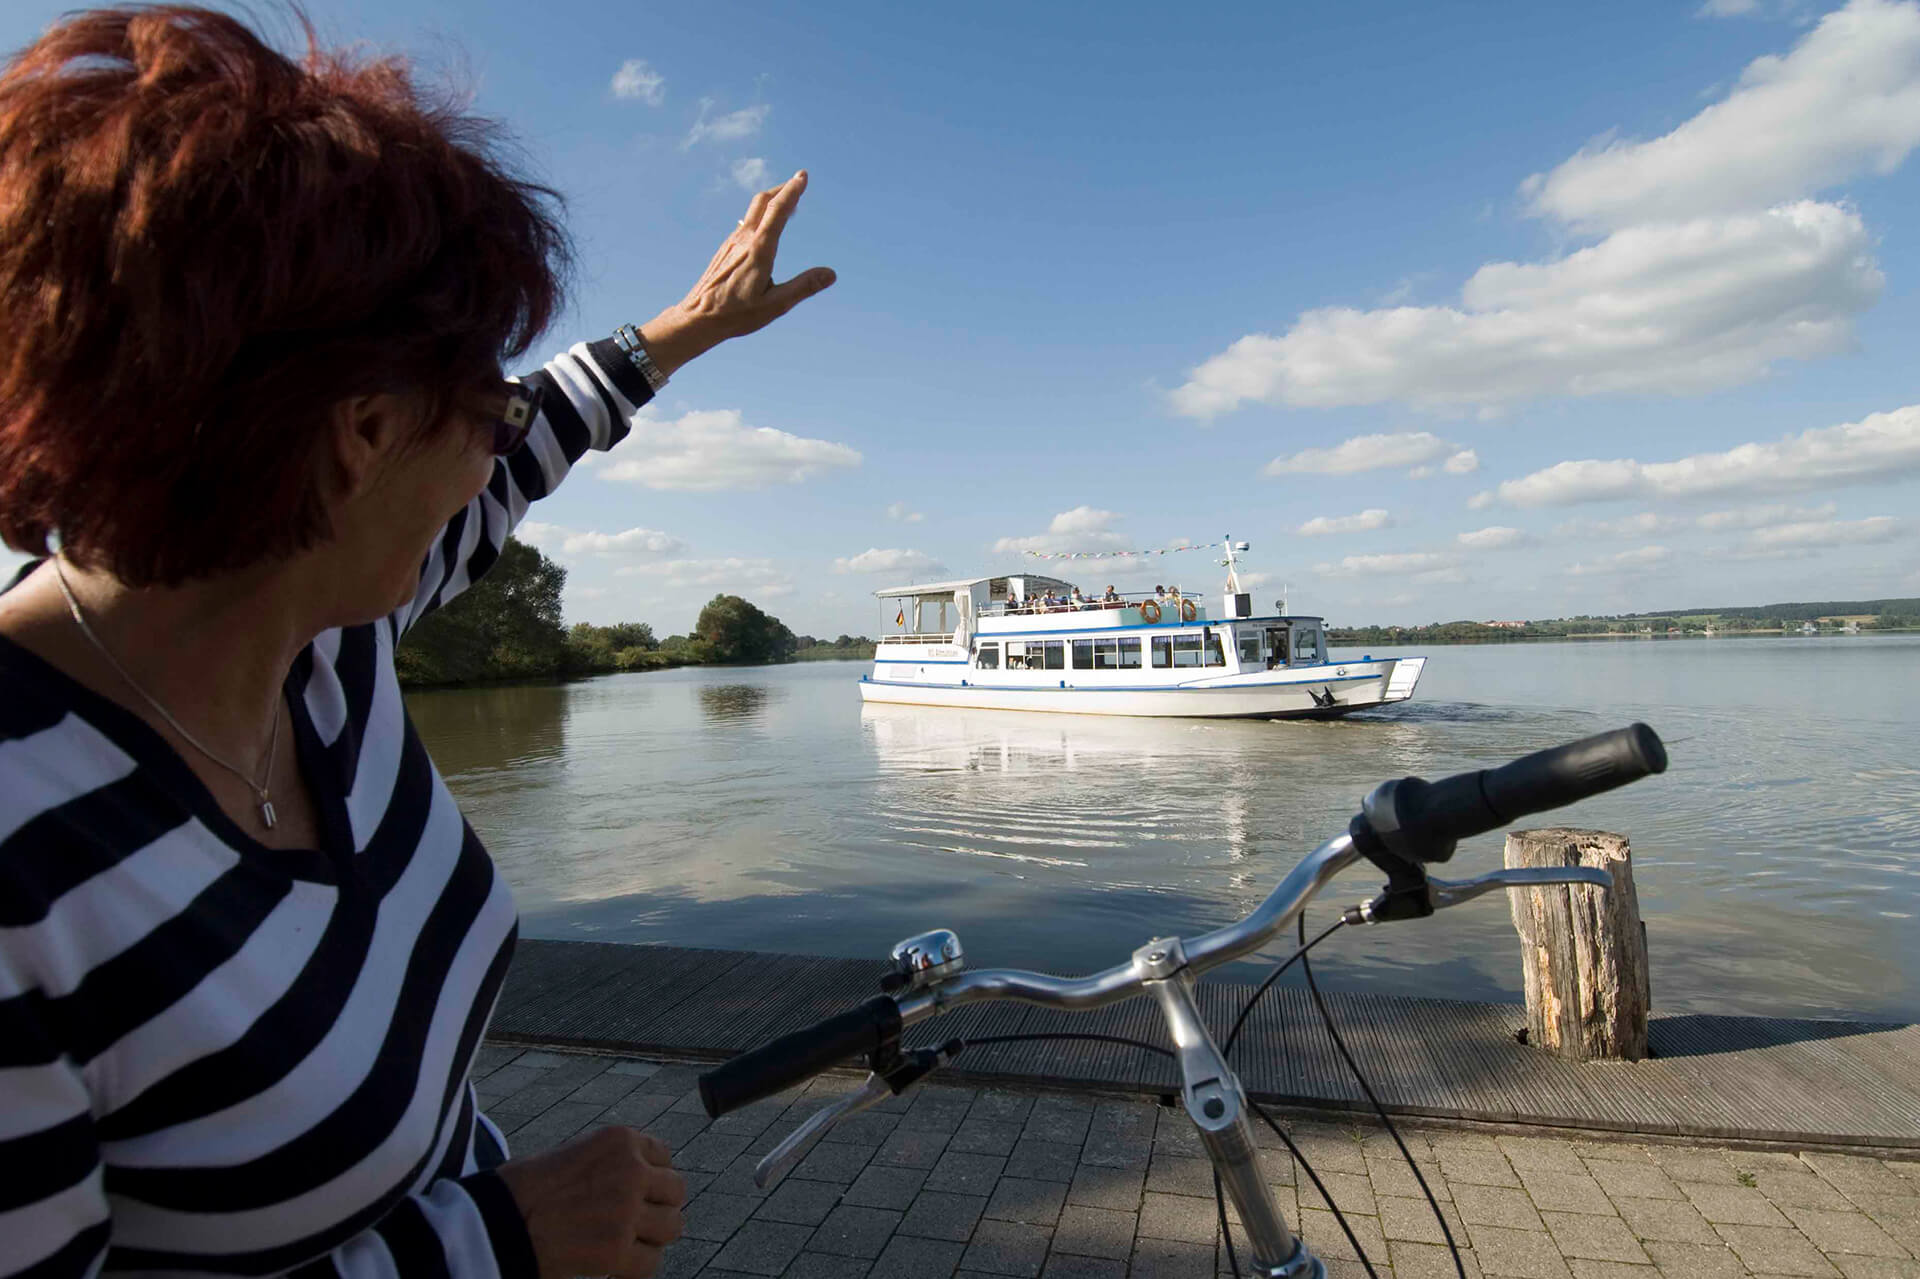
[1420,821]
[799,1056]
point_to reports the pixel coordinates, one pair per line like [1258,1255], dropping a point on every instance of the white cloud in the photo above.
[1364,453]
[876,560]
[1673,308]
[1366,521]
[1842,102]
[1495,537]
[899,511]
[752,578]
[1638,561]
[633,541]
[1876,447]
[1877,528]
[731,127]
[1639,524]
[1729,8]
[1465,462]
[1417,565]
[636,80]
[1080,529]
[707,450]
[749,174]
[1764,516]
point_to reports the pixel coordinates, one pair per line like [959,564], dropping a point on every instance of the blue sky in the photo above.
[1455,310]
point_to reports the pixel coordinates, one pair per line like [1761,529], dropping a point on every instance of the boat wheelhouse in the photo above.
[1024,641]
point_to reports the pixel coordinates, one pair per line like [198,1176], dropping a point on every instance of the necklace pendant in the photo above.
[266,812]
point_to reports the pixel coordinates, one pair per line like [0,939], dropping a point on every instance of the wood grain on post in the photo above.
[1583,949]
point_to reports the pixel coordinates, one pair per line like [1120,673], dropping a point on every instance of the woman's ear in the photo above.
[368,431]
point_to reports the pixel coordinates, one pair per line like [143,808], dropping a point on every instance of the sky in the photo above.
[1451,310]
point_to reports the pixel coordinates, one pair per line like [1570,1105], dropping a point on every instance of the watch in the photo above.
[629,339]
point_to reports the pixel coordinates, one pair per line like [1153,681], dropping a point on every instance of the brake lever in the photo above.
[1413,902]
[790,1151]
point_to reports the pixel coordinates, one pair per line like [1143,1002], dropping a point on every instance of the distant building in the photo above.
[1507,626]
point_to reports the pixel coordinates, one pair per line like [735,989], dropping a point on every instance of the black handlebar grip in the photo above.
[1420,821]
[805,1053]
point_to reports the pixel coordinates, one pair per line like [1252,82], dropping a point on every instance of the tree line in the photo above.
[1888,615]
[508,626]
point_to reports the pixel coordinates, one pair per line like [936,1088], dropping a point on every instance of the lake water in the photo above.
[1777,861]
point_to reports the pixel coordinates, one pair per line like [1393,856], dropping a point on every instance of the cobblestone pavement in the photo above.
[1059,1185]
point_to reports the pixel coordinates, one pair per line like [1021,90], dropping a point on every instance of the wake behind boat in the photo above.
[1027,642]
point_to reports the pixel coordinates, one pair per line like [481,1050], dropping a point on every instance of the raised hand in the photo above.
[604,1205]
[736,294]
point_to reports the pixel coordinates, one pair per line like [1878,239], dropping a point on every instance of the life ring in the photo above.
[1149,612]
[1187,611]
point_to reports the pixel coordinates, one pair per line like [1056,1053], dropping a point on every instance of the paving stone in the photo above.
[554,1126]
[1393,1177]
[1775,1251]
[676,1080]
[1353,1192]
[1043,1160]
[604,1089]
[505,1082]
[1580,1234]
[1506,1206]
[886,1186]
[710,1152]
[1852,1232]
[938,1111]
[1755,1160]
[1174,1134]
[985,1137]
[737,1179]
[1276,1167]
[1585,1268]
[1566,1192]
[534,1098]
[1115,1188]
[1174,1175]
[1530,1254]
[762,1247]
[675,1130]
[1094,1232]
[936,1214]
[1801,1188]
[576,1070]
[638,1109]
[748,1121]
[1687,1164]
[1333,1154]
[1007,1248]
[541,1059]
[853,1231]
[1857,1173]
[831,1161]
[1540,1154]
[1876,1268]
[1643,1180]
[630,1066]
[1120,1135]
[1323,1234]
[1070,1266]
[869,1128]
[1413,1220]
[1475,1167]
[683,1258]
[491,1057]
[1179,1217]
[910,1257]
[1694,1261]
[1456,1140]
[716,1217]
[799,1203]
[1732,1205]
[911,1148]
[1056,1118]
[1172,1259]
[1022,1199]
[998,1106]
[1430,1261]
[1665,1219]
[1616,1151]
[825,1265]
[966,1174]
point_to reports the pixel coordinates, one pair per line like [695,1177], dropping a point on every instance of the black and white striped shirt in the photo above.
[219,1057]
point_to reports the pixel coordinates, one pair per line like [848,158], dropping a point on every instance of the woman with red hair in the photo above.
[254,422]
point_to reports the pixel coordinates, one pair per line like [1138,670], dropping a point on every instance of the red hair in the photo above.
[204,248]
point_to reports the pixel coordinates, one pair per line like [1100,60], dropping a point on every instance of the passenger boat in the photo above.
[1025,642]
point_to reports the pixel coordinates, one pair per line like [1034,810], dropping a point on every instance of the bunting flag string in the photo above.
[1113,555]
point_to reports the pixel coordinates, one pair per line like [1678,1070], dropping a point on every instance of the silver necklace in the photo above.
[259,789]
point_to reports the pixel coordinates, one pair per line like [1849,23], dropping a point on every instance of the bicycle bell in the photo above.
[923,961]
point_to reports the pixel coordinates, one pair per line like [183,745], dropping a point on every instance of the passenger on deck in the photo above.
[1159,593]
[1112,596]
[1078,600]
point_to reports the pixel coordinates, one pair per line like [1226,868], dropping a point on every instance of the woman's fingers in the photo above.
[782,298]
[642,1262]
[757,208]
[657,1224]
[779,209]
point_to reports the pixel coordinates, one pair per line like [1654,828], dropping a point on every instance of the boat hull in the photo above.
[1311,698]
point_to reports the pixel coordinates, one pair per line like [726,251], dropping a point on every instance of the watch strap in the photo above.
[635,349]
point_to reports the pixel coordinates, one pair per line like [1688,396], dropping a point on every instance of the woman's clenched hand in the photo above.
[736,294]
[604,1205]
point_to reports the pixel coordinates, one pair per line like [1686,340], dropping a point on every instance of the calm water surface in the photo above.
[1777,861]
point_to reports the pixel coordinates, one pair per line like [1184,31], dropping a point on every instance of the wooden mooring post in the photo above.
[1583,949]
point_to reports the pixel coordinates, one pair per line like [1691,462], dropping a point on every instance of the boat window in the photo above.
[1055,652]
[1186,650]
[1129,654]
[1163,650]
[1101,654]
[1083,655]
[1306,644]
[988,658]
[1216,655]
[1016,655]
[1249,649]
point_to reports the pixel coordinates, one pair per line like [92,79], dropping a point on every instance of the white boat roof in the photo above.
[962,584]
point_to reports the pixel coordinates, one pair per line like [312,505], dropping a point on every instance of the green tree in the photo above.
[736,631]
[505,626]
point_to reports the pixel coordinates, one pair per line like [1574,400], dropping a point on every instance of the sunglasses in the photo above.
[515,417]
